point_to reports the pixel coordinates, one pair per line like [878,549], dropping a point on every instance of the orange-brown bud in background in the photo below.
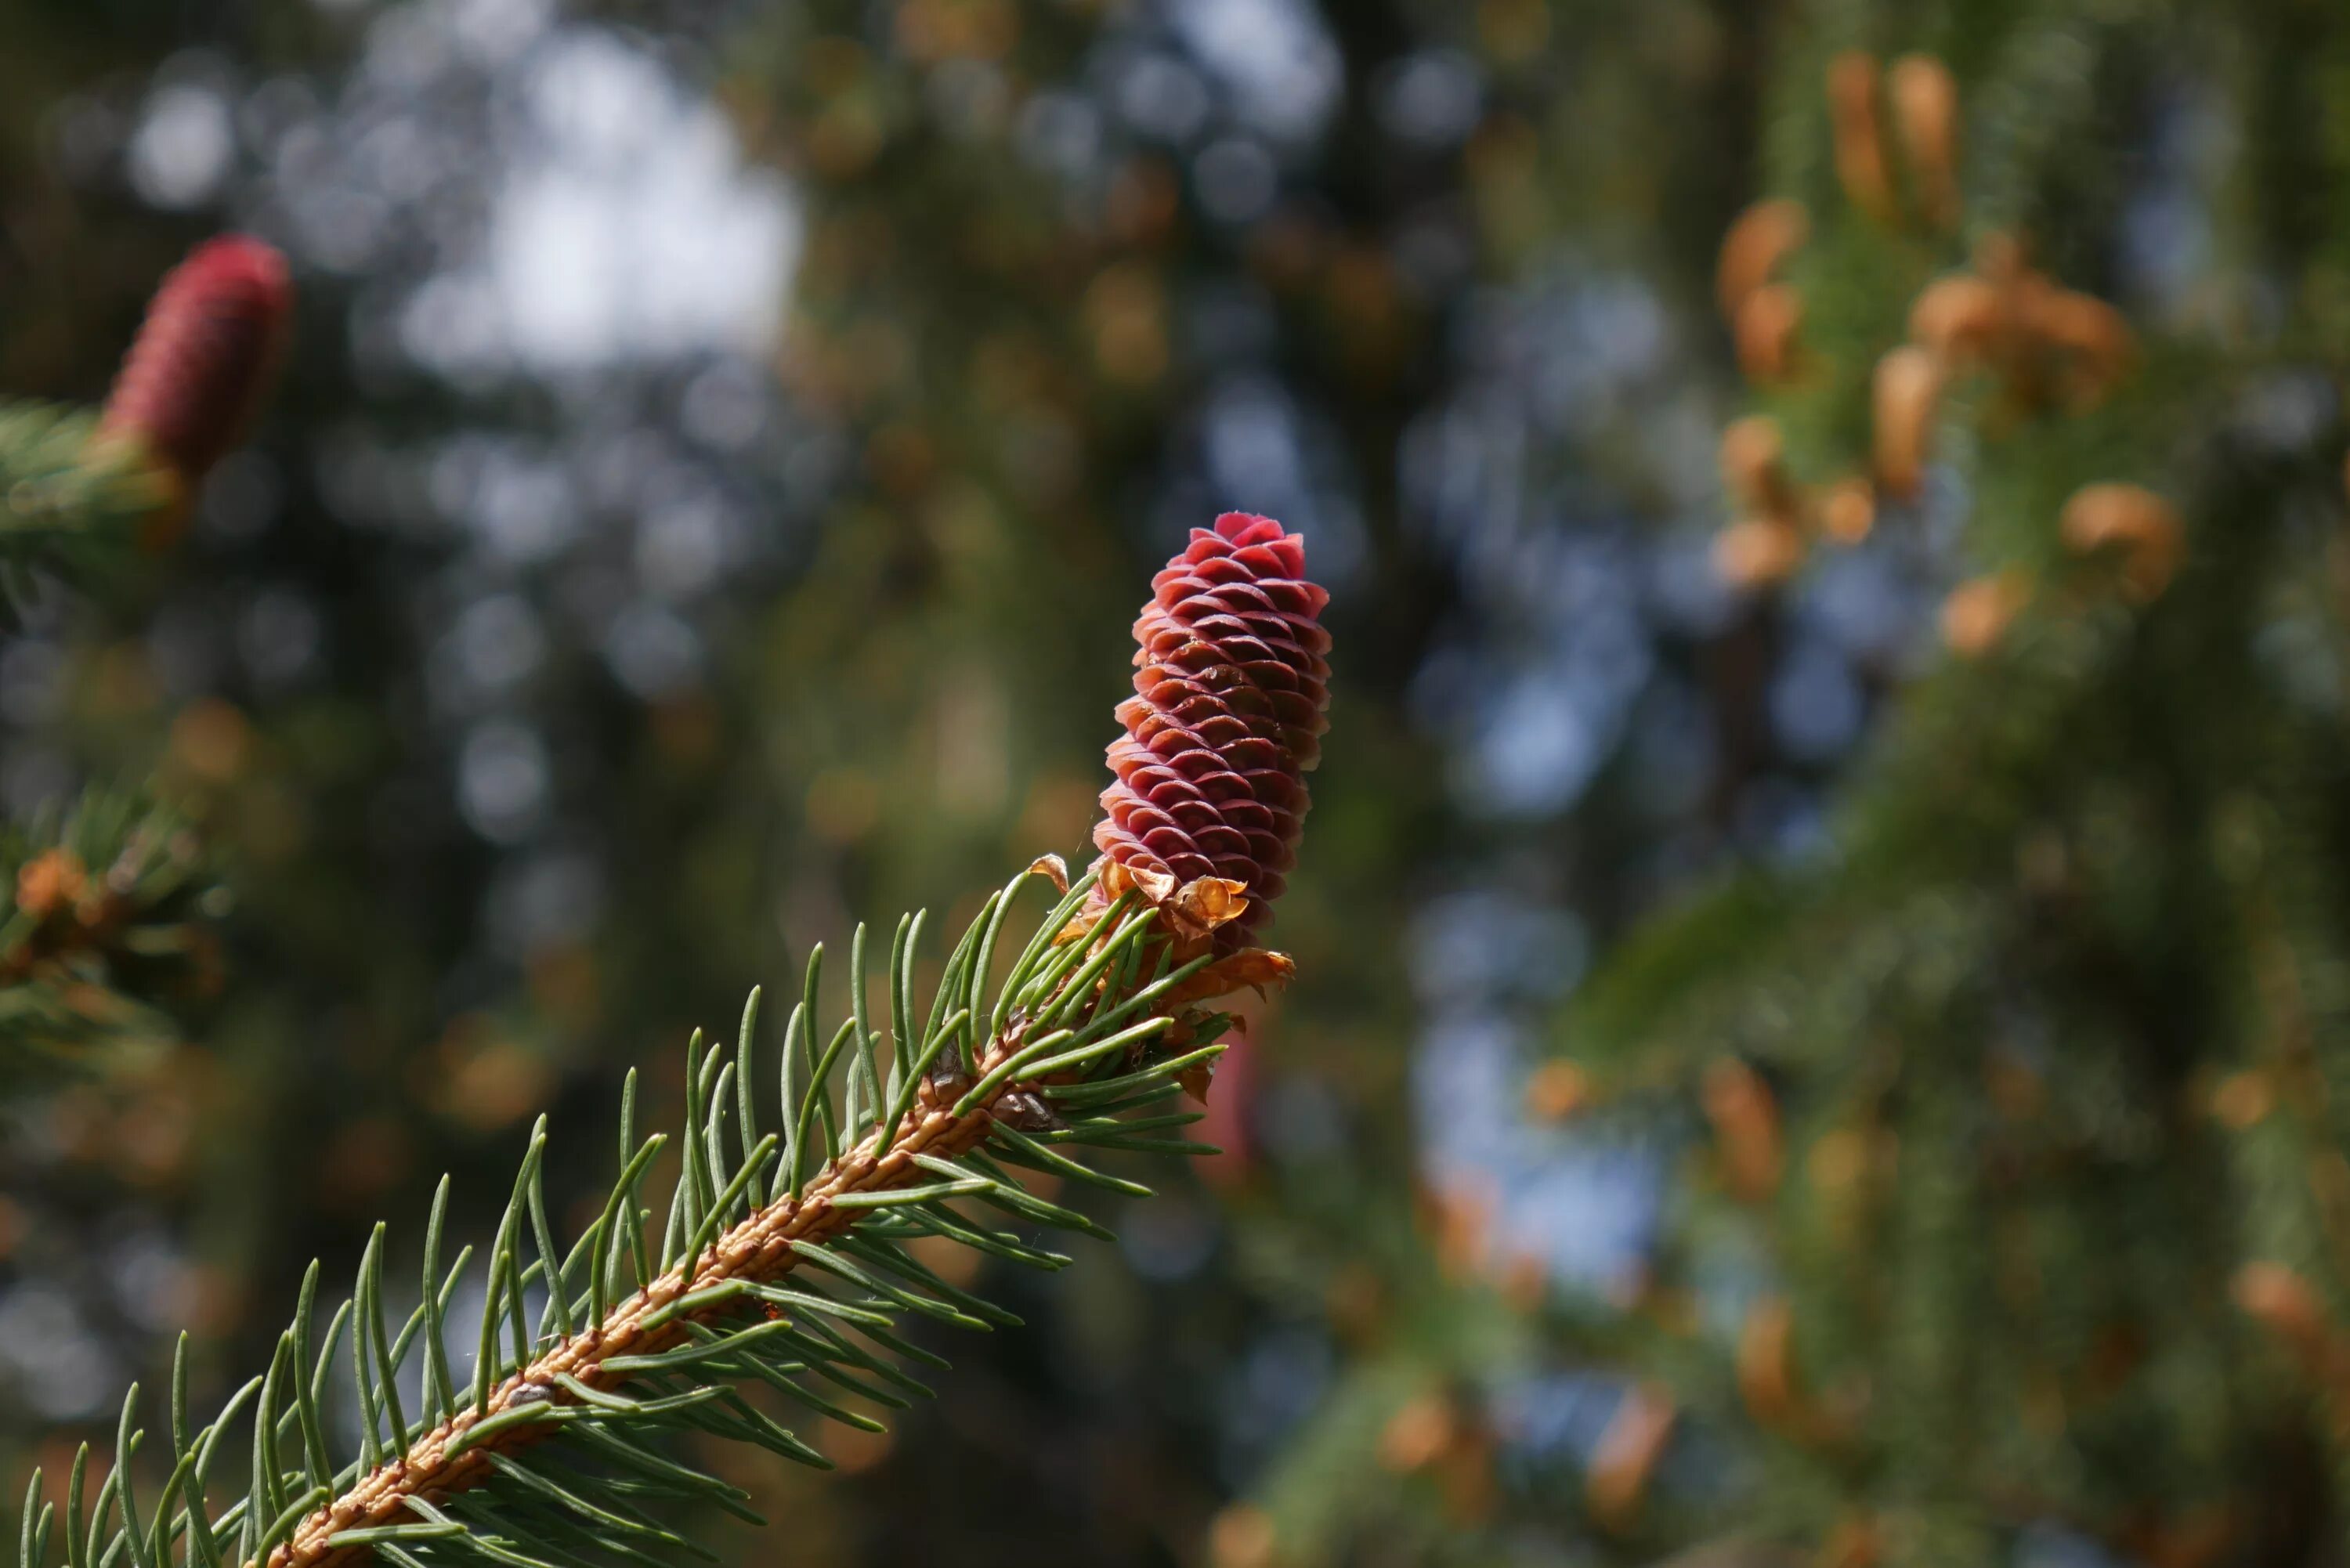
[52,881]
[1459,1220]
[1763,237]
[1629,1449]
[1765,543]
[1925,99]
[1904,396]
[1963,319]
[1745,1118]
[2244,1100]
[2285,1303]
[1859,133]
[2093,343]
[1435,1434]
[1766,1364]
[1556,1090]
[1849,511]
[1765,329]
[2134,520]
[206,355]
[1524,1281]
[1756,552]
[1754,468]
[1243,1536]
[1977,612]
[1767,540]
[2047,343]
[1419,1434]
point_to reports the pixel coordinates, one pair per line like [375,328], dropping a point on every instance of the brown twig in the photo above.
[759,1249]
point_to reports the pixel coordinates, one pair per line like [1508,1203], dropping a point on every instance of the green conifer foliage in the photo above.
[2014,1203]
[101,895]
[2006,1173]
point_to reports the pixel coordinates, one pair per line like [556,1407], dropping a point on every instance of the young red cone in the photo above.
[1231,685]
[196,373]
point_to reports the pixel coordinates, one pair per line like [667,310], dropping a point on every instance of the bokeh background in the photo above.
[723,450]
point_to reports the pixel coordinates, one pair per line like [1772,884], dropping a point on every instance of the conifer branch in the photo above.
[658,1328]
[1101,1020]
[783,1264]
[98,903]
[80,487]
[71,506]
[101,911]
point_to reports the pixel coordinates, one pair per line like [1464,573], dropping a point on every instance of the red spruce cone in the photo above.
[196,374]
[1230,688]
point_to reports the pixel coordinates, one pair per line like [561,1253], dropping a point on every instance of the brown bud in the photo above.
[1753,467]
[1419,1434]
[1765,544]
[1963,319]
[1977,612]
[1849,512]
[1858,134]
[1756,552]
[2091,338]
[1243,1536]
[1525,1280]
[1629,1449]
[1745,1118]
[1461,1218]
[1766,1371]
[1466,1478]
[1925,99]
[1765,329]
[1762,238]
[1556,1090]
[2243,1100]
[2284,1303]
[2139,523]
[50,881]
[1904,397]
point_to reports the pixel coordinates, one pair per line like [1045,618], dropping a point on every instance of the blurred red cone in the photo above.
[210,348]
